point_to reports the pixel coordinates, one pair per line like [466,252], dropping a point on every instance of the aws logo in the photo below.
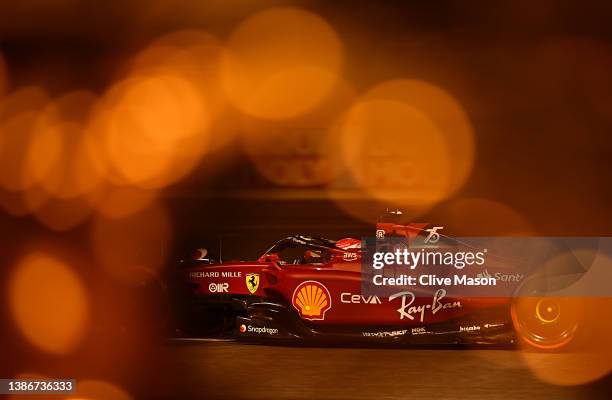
[311,299]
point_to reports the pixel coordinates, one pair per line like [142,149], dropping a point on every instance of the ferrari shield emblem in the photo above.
[252,282]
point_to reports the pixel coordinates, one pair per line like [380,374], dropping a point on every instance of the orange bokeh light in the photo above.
[405,143]
[29,98]
[60,163]
[588,353]
[63,214]
[480,217]
[396,152]
[49,303]
[291,156]
[42,158]
[91,389]
[151,131]
[302,152]
[18,113]
[120,201]
[194,55]
[17,132]
[57,157]
[281,63]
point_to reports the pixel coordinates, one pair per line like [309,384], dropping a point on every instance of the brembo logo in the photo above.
[472,328]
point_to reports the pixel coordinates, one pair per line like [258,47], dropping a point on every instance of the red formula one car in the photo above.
[310,289]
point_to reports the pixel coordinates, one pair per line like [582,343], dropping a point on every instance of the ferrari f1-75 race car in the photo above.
[309,289]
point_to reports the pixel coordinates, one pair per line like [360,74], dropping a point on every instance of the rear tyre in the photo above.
[546,323]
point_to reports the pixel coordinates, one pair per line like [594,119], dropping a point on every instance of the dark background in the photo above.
[533,77]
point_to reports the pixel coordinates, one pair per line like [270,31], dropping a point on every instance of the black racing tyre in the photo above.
[546,323]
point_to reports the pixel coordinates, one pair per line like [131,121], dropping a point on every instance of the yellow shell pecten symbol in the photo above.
[312,300]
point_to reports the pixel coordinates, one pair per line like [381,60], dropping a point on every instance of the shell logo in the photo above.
[311,299]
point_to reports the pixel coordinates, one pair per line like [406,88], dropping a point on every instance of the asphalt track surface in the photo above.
[230,370]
